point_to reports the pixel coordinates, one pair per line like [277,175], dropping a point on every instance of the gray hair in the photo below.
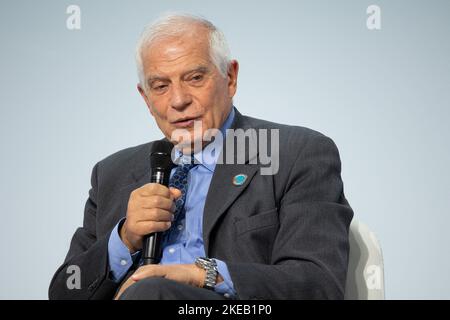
[176,24]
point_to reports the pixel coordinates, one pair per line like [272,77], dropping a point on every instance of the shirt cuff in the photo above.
[226,287]
[120,259]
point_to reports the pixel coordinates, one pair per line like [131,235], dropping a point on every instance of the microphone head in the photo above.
[160,155]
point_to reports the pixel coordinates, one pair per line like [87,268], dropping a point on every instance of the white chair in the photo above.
[365,276]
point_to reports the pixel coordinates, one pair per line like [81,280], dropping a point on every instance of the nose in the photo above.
[180,98]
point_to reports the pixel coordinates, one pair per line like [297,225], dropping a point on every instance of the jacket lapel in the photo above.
[222,192]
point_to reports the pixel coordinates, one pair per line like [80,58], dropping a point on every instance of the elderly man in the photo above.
[230,232]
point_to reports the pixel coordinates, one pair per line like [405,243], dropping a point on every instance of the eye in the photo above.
[197,78]
[160,87]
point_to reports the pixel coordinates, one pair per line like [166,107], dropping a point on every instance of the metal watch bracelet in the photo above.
[210,266]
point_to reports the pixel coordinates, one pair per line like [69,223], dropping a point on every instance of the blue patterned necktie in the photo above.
[179,181]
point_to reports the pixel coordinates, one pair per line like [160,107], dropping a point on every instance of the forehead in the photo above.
[172,54]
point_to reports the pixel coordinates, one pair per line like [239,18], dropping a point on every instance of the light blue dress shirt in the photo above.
[184,243]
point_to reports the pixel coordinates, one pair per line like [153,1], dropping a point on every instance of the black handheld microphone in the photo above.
[160,167]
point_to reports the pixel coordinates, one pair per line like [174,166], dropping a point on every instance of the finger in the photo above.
[157,202]
[149,271]
[154,189]
[157,215]
[175,193]
[147,227]
[143,272]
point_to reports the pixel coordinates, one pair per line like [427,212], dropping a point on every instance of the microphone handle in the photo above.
[151,251]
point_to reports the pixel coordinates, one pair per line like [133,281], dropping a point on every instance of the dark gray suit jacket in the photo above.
[283,236]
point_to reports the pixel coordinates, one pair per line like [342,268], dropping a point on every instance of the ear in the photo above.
[233,70]
[144,96]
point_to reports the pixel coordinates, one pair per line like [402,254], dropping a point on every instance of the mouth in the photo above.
[185,122]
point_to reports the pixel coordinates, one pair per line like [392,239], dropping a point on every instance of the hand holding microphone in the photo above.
[150,210]
[151,207]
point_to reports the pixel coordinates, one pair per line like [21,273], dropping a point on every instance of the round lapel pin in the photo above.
[239,179]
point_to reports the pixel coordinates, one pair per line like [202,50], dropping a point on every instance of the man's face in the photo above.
[183,85]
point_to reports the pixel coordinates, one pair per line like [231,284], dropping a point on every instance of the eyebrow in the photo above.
[201,69]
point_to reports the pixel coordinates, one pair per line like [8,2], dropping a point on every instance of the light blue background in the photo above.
[68,99]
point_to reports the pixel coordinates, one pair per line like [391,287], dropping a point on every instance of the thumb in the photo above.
[175,193]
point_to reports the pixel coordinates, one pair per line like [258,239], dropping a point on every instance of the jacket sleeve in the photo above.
[89,255]
[310,253]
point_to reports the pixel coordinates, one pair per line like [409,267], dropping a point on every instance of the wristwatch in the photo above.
[210,266]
